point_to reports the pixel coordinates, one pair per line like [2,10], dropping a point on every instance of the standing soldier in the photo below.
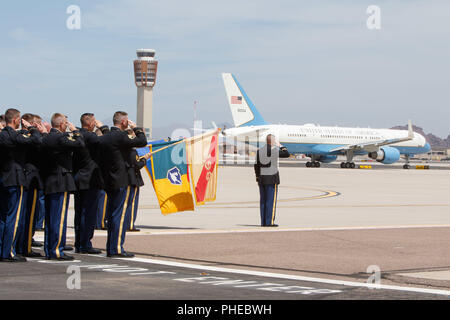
[268,178]
[31,191]
[116,147]
[89,182]
[59,183]
[40,207]
[134,166]
[12,180]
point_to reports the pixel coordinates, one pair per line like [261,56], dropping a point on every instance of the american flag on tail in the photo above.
[236,100]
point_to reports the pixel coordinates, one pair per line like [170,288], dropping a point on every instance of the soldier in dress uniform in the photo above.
[89,181]
[34,184]
[40,207]
[59,183]
[134,166]
[13,147]
[268,178]
[116,147]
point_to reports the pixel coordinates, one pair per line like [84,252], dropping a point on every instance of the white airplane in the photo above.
[321,144]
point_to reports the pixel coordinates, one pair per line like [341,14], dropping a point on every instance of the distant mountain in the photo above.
[434,141]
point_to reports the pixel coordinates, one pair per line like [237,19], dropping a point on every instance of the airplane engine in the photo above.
[386,155]
[327,159]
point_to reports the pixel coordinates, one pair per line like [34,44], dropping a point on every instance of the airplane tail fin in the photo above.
[243,110]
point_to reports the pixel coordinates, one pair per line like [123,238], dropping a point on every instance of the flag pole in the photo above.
[187,139]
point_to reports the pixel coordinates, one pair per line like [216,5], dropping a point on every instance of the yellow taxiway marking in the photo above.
[324,194]
[387,205]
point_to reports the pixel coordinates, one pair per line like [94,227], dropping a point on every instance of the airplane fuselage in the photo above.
[312,139]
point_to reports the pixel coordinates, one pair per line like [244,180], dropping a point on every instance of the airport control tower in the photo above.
[145,67]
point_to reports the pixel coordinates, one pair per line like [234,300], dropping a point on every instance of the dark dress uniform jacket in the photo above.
[134,165]
[14,153]
[86,161]
[116,146]
[58,148]
[33,164]
[273,178]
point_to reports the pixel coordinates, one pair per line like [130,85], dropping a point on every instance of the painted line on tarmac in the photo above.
[268,229]
[215,205]
[287,277]
[262,230]
[387,205]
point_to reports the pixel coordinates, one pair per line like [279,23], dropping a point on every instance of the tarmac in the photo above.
[343,234]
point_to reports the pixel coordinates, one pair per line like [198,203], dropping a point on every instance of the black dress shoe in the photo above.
[36,243]
[14,259]
[33,254]
[134,230]
[91,251]
[68,248]
[65,257]
[273,225]
[121,255]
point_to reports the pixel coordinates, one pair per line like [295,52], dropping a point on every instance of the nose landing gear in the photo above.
[406,165]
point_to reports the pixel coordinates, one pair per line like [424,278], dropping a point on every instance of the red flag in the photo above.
[207,171]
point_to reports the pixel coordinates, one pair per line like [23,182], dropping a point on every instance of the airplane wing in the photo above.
[374,145]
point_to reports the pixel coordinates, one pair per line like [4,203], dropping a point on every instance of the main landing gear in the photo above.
[350,165]
[313,164]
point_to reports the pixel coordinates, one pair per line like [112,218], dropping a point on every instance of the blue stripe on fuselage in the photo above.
[324,149]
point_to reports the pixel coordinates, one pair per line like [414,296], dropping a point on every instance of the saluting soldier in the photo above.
[59,183]
[40,207]
[102,203]
[116,147]
[89,181]
[268,178]
[31,191]
[12,180]
[134,166]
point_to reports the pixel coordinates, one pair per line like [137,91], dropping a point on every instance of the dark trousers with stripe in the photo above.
[86,206]
[26,222]
[267,203]
[11,199]
[118,221]
[102,210]
[133,208]
[56,205]
[39,215]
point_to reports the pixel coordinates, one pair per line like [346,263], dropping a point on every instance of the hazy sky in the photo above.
[299,61]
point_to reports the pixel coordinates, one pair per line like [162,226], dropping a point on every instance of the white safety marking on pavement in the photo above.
[266,229]
[288,277]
